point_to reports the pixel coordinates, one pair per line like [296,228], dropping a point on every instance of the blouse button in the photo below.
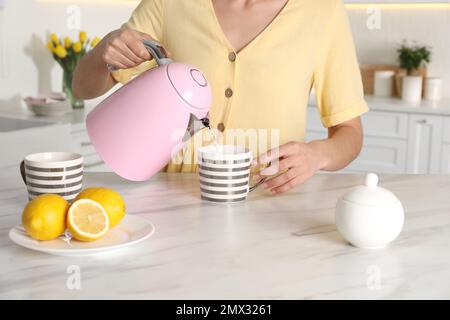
[221,127]
[232,56]
[228,93]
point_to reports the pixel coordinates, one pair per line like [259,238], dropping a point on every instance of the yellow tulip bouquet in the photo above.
[67,53]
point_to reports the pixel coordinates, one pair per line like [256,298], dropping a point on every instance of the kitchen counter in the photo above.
[77,117]
[441,107]
[394,104]
[283,247]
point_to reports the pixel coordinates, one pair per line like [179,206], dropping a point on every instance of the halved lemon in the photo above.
[87,220]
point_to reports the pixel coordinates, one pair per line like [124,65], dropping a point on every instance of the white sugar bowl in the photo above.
[369,216]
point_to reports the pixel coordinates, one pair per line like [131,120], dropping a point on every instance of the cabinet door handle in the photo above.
[423,121]
[86,144]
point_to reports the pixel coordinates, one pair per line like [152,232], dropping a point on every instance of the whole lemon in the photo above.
[44,217]
[109,199]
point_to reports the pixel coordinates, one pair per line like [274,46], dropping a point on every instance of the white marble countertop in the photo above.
[283,247]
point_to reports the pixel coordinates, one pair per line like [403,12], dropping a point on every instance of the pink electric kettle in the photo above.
[142,125]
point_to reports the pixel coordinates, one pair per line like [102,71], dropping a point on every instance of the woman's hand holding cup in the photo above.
[291,164]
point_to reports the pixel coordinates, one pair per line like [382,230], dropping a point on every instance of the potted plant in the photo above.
[67,53]
[412,59]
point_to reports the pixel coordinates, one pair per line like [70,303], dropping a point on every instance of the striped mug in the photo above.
[224,172]
[53,172]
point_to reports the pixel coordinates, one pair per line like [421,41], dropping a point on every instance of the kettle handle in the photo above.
[157,52]
[155,49]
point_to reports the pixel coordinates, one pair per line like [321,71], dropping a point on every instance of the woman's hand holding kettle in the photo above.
[124,48]
[120,49]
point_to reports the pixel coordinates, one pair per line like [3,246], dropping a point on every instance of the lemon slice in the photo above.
[87,220]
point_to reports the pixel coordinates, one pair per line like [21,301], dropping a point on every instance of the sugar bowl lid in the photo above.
[370,194]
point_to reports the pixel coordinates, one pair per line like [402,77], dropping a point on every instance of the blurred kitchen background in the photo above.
[409,134]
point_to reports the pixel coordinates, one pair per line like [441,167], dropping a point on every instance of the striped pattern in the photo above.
[64,181]
[224,181]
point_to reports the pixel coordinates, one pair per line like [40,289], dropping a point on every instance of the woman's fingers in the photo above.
[124,49]
[133,39]
[282,178]
[142,35]
[294,162]
[286,181]
[139,49]
[284,150]
[283,164]
[288,185]
[145,36]
[280,164]
[117,59]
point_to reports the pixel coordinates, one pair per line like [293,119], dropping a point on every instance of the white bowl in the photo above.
[50,109]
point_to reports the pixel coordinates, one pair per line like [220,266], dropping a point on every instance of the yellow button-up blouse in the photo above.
[260,94]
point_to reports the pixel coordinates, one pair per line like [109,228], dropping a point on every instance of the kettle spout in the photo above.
[205,122]
[195,125]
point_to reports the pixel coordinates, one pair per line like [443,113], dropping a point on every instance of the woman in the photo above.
[262,58]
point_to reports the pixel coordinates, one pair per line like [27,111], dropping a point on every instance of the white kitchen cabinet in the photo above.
[446,130]
[424,144]
[385,143]
[24,134]
[395,1]
[15,145]
[385,124]
[381,155]
[92,161]
[397,138]
[376,124]
[445,158]
[445,153]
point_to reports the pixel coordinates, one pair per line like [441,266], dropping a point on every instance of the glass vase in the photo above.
[67,89]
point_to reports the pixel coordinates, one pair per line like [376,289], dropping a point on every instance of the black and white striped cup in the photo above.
[224,172]
[53,172]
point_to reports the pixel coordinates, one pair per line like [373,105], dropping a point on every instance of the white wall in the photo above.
[426,26]
[26,67]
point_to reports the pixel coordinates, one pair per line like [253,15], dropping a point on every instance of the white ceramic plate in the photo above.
[129,231]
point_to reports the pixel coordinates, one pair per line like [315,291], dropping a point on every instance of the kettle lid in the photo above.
[190,84]
[371,194]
